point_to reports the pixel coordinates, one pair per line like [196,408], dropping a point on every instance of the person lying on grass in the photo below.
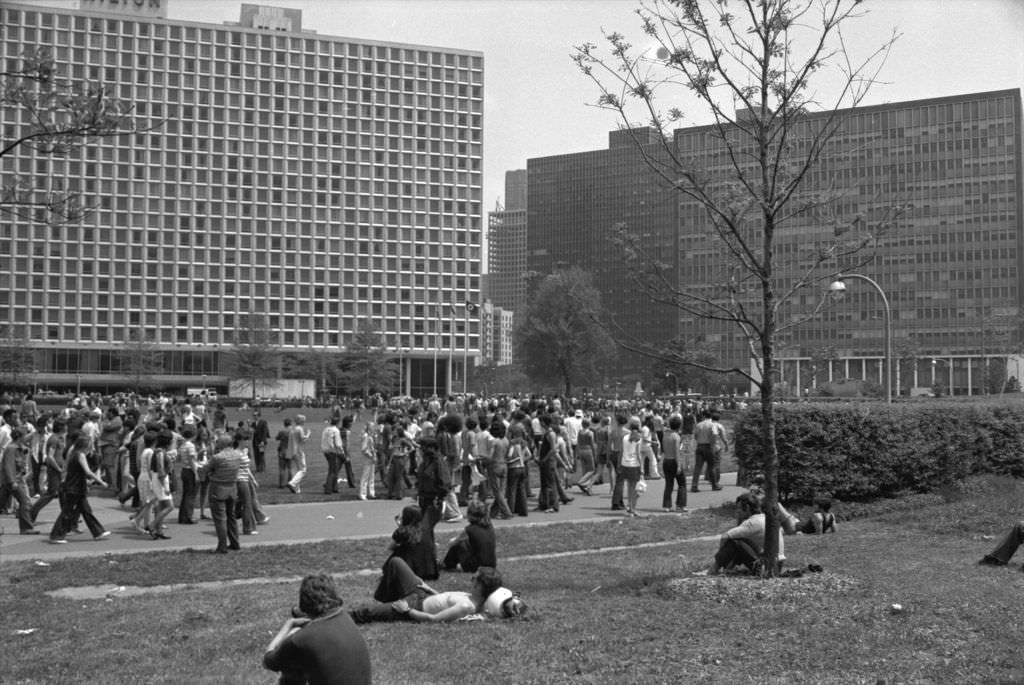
[418,605]
[319,645]
[743,545]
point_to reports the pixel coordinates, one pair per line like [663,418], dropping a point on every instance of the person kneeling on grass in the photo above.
[421,604]
[743,545]
[320,645]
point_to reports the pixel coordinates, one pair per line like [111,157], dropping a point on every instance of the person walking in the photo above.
[711,441]
[673,467]
[297,438]
[74,491]
[14,478]
[330,445]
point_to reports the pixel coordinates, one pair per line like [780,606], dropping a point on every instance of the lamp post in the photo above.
[838,287]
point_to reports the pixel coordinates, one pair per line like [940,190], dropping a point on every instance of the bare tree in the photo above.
[16,359]
[56,116]
[254,355]
[140,360]
[756,75]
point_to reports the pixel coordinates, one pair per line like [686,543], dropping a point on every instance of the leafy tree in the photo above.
[367,367]
[757,74]
[688,364]
[558,334]
[254,355]
[321,364]
[139,360]
[56,116]
[16,360]
[821,360]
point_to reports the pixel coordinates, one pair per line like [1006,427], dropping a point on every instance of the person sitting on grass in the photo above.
[475,545]
[822,520]
[1006,548]
[743,545]
[790,523]
[421,604]
[319,645]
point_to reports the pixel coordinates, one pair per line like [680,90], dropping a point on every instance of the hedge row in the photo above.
[865,450]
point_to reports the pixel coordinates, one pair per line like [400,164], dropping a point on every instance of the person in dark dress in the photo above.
[73,500]
[411,543]
[475,547]
[320,646]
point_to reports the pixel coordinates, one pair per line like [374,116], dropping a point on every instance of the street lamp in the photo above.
[838,287]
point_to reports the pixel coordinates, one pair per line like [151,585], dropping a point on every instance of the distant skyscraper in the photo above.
[576,201]
[952,266]
[506,245]
[321,183]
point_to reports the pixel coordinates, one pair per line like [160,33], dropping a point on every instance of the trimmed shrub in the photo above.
[866,450]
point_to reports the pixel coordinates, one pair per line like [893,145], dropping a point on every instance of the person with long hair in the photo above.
[412,543]
[75,487]
[475,546]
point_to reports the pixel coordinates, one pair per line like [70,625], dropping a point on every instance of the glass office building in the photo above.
[950,265]
[320,183]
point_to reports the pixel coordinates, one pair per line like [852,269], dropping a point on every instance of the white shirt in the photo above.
[330,439]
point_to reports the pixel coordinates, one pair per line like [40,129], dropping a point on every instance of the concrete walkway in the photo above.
[312,522]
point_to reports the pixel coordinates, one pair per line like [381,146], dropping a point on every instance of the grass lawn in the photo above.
[634,615]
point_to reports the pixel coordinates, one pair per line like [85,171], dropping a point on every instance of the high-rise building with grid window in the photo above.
[952,266]
[320,183]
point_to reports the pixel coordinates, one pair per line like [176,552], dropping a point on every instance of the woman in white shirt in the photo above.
[632,460]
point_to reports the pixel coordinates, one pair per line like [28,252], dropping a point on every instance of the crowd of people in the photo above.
[149,452]
[142,451]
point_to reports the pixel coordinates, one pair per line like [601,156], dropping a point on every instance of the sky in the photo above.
[537,103]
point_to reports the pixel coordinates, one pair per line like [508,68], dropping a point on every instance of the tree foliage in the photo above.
[55,117]
[322,364]
[558,335]
[254,355]
[688,364]
[757,69]
[366,367]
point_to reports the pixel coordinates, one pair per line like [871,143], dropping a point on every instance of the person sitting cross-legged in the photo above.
[743,545]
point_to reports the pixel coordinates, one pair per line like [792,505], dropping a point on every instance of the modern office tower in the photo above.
[317,183]
[951,267]
[575,203]
[496,335]
[506,245]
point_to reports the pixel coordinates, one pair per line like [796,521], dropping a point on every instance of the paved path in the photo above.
[300,523]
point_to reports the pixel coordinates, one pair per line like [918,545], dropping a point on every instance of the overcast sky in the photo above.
[536,101]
